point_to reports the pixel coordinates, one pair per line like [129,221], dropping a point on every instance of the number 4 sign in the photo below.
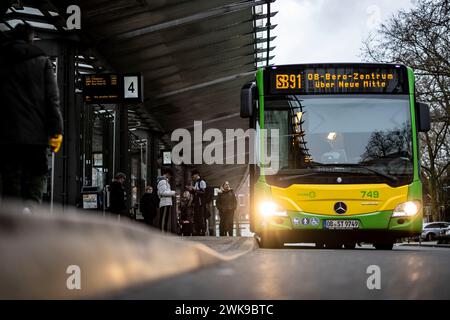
[132,88]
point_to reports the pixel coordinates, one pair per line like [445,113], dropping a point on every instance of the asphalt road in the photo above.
[304,272]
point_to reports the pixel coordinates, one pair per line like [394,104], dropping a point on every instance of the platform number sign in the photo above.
[131,87]
[113,88]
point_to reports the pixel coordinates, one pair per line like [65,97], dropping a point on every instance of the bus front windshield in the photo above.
[364,136]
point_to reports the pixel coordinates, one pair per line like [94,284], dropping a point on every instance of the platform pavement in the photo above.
[39,251]
[231,247]
[433,244]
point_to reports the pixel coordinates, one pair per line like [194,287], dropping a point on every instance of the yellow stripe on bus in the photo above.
[320,199]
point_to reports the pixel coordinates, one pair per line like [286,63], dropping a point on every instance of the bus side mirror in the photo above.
[249,93]
[424,117]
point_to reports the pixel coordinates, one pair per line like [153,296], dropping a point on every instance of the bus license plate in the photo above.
[341,224]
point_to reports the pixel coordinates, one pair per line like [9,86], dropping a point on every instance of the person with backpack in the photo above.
[165,198]
[226,204]
[149,205]
[198,189]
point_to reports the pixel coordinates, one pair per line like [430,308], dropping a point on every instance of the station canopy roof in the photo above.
[195,55]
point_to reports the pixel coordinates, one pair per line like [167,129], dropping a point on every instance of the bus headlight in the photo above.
[406,209]
[270,209]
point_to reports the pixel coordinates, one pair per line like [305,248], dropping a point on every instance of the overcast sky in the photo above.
[327,30]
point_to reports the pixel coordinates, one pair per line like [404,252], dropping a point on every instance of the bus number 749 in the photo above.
[370,194]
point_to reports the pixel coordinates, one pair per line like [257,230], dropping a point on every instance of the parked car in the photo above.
[444,237]
[432,230]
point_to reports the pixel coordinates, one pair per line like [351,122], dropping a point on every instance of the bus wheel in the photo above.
[320,245]
[350,245]
[383,246]
[333,245]
[268,242]
[430,237]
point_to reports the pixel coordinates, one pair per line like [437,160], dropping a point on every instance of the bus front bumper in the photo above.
[370,227]
[341,236]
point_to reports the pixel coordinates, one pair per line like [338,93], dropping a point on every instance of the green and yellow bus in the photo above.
[348,166]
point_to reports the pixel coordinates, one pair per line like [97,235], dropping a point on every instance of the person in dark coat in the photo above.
[198,190]
[186,214]
[118,196]
[149,205]
[186,206]
[30,117]
[226,204]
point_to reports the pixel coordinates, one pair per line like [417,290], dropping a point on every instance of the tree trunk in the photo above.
[434,197]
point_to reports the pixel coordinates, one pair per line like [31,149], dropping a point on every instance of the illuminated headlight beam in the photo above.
[407,209]
[270,209]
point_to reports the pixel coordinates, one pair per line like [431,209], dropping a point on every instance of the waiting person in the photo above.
[186,214]
[118,195]
[30,117]
[186,206]
[148,205]
[199,190]
[226,204]
[165,198]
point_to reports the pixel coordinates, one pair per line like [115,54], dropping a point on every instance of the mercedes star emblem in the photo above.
[340,207]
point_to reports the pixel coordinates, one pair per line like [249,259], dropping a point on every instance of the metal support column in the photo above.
[72,138]
[66,178]
[88,124]
[154,155]
[122,148]
[108,147]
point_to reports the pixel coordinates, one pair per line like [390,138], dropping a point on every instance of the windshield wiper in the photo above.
[298,176]
[358,166]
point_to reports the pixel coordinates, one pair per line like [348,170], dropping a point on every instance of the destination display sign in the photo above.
[112,88]
[101,88]
[337,79]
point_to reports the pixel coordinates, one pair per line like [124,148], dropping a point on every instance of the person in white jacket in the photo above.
[165,195]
